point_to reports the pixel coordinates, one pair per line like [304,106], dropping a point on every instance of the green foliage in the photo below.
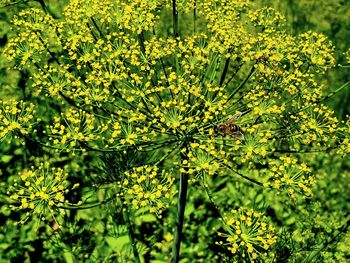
[158,130]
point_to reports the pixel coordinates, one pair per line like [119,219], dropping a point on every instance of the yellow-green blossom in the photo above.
[145,187]
[248,235]
[40,191]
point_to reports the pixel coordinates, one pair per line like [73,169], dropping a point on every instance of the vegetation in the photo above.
[171,131]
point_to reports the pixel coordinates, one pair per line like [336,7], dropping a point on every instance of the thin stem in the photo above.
[180,216]
[345,85]
[236,69]
[195,17]
[304,151]
[53,55]
[38,142]
[97,27]
[142,43]
[166,78]
[165,156]
[247,178]
[91,31]
[217,210]
[86,146]
[244,177]
[43,5]
[46,8]
[183,186]
[335,92]
[88,206]
[175,20]
[242,84]
[224,72]
[176,33]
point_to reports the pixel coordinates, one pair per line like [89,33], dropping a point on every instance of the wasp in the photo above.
[229,128]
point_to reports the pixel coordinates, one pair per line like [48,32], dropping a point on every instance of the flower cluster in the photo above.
[347,56]
[118,81]
[344,148]
[124,84]
[202,159]
[16,117]
[247,235]
[73,128]
[145,187]
[287,173]
[266,17]
[317,50]
[35,41]
[40,191]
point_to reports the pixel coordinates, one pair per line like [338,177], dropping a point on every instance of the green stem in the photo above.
[335,92]
[43,5]
[224,72]
[183,186]
[15,3]
[242,84]
[45,8]
[97,27]
[88,206]
[235,72]
[217,210]
[194,17]
[175,20]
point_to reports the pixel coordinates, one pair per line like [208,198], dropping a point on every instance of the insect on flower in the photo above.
[229,128]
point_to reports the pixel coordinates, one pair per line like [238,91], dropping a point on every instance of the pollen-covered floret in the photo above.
[286,173]
[40,191]
[145,188]
[247,234]
[16,117]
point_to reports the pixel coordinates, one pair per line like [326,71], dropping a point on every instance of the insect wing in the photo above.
[234,118]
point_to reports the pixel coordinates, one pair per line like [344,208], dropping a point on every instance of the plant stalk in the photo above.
[175,20]
[183,186]
[224,72]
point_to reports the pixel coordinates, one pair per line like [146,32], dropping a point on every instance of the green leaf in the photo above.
[117,243]
[4,246]
[290,221]
[189,209]
[145,218]
[6,158]
[5,210]
[18,151]
[69,257]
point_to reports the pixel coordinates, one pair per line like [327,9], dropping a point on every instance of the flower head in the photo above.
[248,234]
[39,191]
[16,116]
[147,187]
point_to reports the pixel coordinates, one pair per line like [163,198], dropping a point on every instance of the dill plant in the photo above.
[118,83]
